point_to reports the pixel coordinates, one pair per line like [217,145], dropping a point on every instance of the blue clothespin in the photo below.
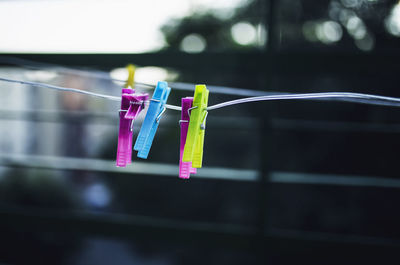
[152,119]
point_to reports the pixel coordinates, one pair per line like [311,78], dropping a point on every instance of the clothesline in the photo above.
[344,96]
[106,76]
[255,95]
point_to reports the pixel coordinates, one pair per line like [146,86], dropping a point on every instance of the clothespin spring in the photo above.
[160,114]
[189,109]
[203,123]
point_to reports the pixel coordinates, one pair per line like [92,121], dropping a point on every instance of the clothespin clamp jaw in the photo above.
[136,104]
[193,151]
[151,121]
[185,168]
[131,105]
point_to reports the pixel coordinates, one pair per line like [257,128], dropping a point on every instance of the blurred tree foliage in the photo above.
[214,26]
[291,18]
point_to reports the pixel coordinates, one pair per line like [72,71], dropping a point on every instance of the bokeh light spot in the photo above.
[392,22]
[97,195]
[244,33]
[356,28]
[366,44]
[193,43]
[329,32]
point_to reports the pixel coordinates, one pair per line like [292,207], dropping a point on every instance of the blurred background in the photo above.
[311,182]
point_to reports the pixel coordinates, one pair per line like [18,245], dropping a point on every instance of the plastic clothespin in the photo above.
[130,82]
[152,119]
[131,105]
[193,151]
[185,168]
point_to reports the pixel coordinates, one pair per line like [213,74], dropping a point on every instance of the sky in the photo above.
[120,26]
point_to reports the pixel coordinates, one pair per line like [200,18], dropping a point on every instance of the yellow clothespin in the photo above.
[193,151]
[131,76]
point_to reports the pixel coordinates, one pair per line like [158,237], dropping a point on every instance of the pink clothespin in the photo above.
[185,168]
[131,105]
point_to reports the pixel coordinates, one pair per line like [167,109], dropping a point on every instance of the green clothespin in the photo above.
[131,76]
[193,151]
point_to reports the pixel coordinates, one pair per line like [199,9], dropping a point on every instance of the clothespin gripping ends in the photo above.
[193,151]
[185,168]
[151,121]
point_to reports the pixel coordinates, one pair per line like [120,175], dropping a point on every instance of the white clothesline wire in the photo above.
[341,96]
[106,76]
[270,95]
[257,94]
[76,90]
[395,102]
